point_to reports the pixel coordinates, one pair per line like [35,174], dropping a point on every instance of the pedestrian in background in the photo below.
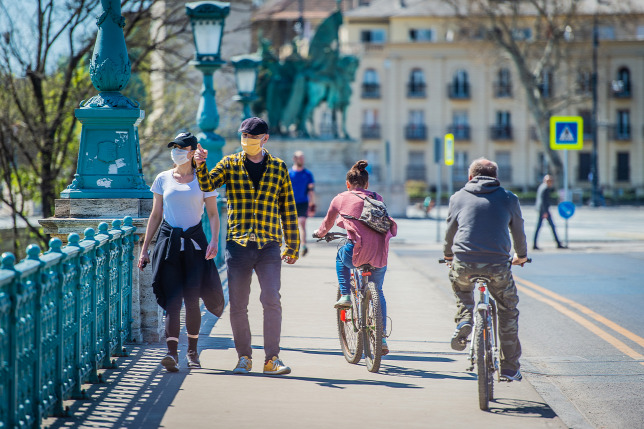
[304,193]
[260,207]
[480,218]
[182,265]
[543,207]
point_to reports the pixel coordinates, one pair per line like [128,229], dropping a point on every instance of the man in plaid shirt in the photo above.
[260,206]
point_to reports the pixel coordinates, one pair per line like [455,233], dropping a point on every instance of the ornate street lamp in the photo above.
[207,19]
[246,76]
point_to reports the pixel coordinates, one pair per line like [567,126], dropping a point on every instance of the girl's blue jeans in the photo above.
[344,264]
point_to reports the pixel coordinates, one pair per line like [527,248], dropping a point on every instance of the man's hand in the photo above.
[519,261]
[316,234]
[201,155]
[288,259]
[448,261]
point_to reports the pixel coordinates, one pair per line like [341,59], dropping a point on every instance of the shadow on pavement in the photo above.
[135,395]
[336,383]
[398,371]
[521,408]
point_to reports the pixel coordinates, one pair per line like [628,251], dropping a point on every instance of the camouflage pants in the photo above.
[504,291]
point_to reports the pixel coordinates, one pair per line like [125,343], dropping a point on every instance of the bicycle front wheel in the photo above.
[348,330]
[482,361]
[372,317]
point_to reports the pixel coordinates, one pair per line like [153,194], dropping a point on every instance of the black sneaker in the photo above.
[511,375]
[170,362]
[193,359]
[459,339]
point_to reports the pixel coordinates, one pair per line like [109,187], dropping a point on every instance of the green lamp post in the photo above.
[245,77]
[109,158]
[207,19]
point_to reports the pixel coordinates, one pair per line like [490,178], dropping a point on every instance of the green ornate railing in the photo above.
[63,314]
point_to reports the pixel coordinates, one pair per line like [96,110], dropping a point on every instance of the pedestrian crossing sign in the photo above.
[566,132]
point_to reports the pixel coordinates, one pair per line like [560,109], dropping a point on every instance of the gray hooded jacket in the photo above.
[480,219]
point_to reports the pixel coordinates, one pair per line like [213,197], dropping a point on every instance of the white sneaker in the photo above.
[244,365]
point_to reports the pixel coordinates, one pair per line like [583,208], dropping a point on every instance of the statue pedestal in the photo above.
[75,215]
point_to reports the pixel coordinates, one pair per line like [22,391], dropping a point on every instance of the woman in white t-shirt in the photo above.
[183,270]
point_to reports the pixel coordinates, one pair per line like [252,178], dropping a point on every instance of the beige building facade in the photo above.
[423,74]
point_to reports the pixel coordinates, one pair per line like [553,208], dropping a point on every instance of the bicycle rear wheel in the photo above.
[372,317]
[351,339]
[482,361]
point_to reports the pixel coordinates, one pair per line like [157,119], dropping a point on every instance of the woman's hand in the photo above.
[212,249]
[144,259]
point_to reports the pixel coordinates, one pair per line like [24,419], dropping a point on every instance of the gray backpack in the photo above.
[374,214]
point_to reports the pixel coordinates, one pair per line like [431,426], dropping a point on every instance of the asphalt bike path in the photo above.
[421,383]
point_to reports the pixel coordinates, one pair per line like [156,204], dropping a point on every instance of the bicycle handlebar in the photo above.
[330,236]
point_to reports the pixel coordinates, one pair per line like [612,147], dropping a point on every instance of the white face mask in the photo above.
[179,156]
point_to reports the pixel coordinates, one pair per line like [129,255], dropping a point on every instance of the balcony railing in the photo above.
[502,89]
[370,131]
[618,89]
[460,132]
[416,132]
[370,90]
[416,172]
[620,132]
[501,132]
[416,90]
[458,91]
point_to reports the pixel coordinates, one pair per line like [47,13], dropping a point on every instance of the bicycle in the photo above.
[360,327]
[484,349]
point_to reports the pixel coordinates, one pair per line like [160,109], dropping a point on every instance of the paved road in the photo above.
[422,382]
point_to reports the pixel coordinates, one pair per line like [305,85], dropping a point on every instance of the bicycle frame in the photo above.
[486,307]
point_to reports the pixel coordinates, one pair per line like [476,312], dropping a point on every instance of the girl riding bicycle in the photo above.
[364,245]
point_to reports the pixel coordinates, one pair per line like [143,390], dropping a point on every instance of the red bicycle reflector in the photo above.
[343,315]
[366,273]
[482,288]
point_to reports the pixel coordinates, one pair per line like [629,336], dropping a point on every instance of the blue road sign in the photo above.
[566,132]
[566,209]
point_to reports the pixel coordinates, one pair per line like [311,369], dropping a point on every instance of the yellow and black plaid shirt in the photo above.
[256,211]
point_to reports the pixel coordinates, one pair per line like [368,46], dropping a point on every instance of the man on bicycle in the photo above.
[480,219]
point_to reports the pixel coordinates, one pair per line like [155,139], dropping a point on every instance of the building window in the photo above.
[502,129]
[461,166]
[416,129]
[522,34]
[584,82]
[621,87]
[370,84]
[546,85]
[587,118]
[503,159]
[460,126]
[460,86]
[503,85]
[416,86]
[373,36]
[606,32]
[622,129]
[416,169]
[623,173]
[421,35]
[583,169]
[370,125]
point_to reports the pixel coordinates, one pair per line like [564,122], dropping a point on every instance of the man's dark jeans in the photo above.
[267,263]
[504,292]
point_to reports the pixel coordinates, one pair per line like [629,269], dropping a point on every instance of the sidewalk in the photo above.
[422,382]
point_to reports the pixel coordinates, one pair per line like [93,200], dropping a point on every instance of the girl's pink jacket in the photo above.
[371,247]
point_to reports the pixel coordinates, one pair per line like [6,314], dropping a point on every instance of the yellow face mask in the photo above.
[251,146]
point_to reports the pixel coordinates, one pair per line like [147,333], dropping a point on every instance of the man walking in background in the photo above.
[304,192]
[543,205]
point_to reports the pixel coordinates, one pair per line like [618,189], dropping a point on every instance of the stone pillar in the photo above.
[74,215]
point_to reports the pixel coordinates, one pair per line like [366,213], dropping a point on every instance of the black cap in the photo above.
[254,126]
[184,140]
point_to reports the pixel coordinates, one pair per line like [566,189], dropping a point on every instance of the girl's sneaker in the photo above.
[170,362]
[343,302]
[385,347]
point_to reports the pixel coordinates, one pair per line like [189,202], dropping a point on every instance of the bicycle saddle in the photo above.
[366,267]
[474,277]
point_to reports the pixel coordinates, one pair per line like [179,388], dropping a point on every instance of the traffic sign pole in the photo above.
[566,189]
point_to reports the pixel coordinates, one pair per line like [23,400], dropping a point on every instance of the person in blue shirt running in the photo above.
[304,192]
